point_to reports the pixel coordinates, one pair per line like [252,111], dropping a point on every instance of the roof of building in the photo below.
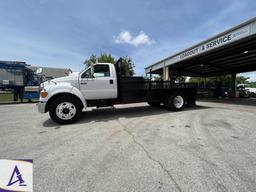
[223,40]
[12,64]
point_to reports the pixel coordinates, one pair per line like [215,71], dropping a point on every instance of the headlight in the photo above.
[43,94]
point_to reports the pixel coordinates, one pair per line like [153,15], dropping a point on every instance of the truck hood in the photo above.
[71,79]
[66,79]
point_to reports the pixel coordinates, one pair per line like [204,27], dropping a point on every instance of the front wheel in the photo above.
[175,102]
[65,110]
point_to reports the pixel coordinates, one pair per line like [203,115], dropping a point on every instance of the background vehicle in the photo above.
[102,85]
[245,91]
[19,79]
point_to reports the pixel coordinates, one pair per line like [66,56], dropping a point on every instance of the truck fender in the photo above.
[66,90]
[78,93]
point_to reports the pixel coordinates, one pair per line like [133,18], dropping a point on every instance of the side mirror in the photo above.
[85,75]
[92,70]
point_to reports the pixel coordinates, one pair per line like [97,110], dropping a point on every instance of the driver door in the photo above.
[100,85]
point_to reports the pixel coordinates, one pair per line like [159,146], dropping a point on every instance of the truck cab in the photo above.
[70,95]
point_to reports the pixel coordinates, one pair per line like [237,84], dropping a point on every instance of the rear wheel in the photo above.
[65,110]
[175,102]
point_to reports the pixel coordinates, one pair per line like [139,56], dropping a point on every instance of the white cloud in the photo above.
[126,37]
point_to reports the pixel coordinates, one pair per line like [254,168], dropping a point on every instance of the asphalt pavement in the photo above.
[211,147]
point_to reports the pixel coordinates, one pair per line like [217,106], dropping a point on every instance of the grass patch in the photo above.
[6,97]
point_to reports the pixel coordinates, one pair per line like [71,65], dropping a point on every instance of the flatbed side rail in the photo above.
[134,84]
[154,85]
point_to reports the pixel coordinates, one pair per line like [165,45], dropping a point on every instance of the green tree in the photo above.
[158,77]
[102,58]
[127,65]
[242,79]
[253,84]
[224,79]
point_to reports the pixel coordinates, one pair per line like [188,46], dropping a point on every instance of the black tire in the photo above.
[154,104]
[61,101]
[171,102]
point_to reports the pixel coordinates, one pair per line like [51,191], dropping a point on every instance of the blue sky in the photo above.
[60,33]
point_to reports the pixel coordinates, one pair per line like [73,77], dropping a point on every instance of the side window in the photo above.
[101,71]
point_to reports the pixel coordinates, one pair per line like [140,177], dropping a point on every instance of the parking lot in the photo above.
[211,147]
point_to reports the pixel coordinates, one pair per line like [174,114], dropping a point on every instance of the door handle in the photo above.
[83,82]
[111,81]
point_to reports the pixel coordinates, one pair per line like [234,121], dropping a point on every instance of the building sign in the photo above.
[218,42]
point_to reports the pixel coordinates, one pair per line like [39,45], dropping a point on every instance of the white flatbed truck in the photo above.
[102,85]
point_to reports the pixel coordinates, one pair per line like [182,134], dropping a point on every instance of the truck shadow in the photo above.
[108,114]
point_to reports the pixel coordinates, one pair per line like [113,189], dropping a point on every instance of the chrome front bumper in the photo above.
[41,107]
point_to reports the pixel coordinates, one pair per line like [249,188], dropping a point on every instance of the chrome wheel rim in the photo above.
[178,101]
[66,110]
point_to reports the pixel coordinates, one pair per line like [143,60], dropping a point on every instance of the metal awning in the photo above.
[233,51]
